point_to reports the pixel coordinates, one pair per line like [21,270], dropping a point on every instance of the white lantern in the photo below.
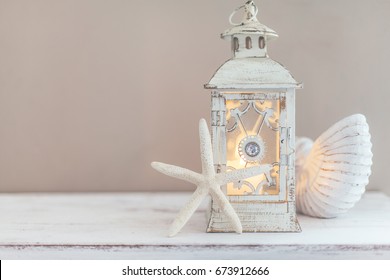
[253,123]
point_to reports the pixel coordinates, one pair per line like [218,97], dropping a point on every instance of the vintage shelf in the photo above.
[134,225]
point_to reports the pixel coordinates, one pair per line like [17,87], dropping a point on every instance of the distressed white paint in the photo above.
[251,31]
[250,75]
[332,172]
[134,226]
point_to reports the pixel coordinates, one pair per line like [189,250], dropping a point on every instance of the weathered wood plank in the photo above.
[226,252]
[134,225]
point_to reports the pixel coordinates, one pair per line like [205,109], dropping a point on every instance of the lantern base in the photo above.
[256,216]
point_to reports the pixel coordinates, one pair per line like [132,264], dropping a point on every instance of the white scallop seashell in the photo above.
[333,171]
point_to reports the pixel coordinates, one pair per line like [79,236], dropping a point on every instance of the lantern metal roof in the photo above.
[249,27]
[251,68]
[252,73]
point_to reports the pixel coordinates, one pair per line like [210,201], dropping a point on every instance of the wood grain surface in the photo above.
[134,226]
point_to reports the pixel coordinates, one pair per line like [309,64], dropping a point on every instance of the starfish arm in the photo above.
[240,174]
[178,172]
[219,197]
[205,149]
[187,211]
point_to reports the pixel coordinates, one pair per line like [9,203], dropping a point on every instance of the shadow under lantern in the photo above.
[253,123]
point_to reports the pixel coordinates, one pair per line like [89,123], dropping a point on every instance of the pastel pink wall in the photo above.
[92,91]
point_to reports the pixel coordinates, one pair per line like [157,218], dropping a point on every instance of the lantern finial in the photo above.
[249,25]
[250,13]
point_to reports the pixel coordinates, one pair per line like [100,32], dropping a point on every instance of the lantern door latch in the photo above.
[286,159]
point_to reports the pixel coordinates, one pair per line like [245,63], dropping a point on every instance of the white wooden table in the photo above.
[133,226]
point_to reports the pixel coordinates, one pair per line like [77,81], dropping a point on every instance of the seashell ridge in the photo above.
[333,171]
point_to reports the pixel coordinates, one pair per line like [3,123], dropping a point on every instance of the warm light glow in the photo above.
[260,119]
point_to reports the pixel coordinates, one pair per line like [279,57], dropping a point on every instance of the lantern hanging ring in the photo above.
[251,12]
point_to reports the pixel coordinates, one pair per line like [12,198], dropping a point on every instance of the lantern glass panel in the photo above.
[252,139]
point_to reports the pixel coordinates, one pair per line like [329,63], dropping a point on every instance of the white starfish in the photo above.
[208,182]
